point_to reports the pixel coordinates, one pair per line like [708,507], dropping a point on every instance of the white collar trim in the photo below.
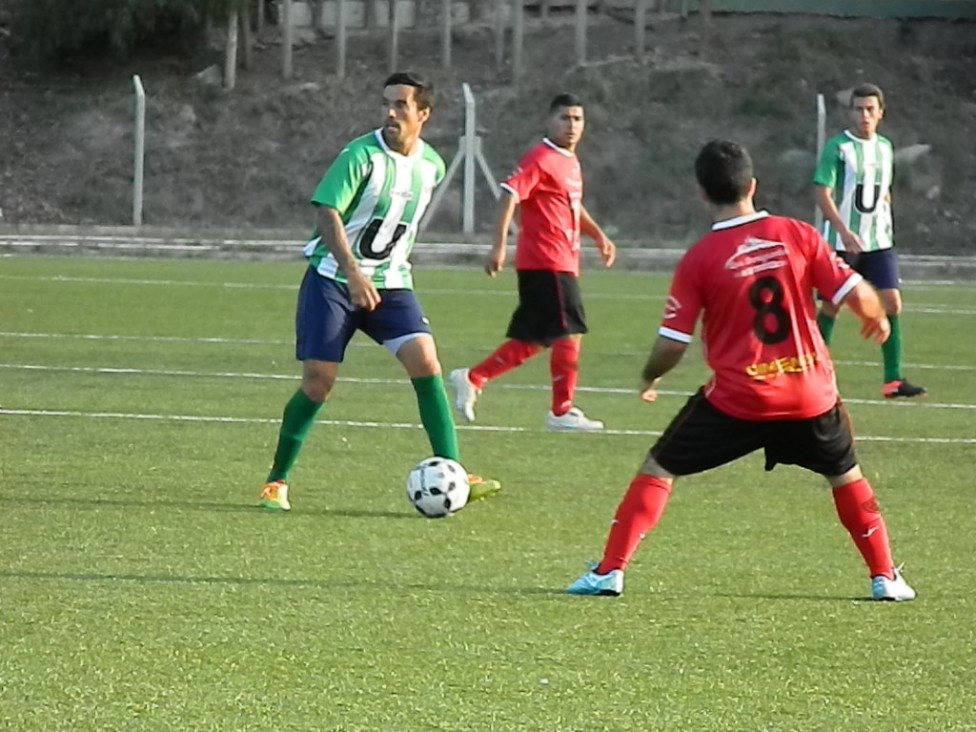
[739,220]
[861,140]
[554,146]
[390,151]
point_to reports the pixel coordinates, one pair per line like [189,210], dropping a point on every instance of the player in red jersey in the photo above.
[773,385]
[547,186]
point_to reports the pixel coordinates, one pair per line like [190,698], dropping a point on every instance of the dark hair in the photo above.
[564,100]
[424,88]
[724,170]
[862,91]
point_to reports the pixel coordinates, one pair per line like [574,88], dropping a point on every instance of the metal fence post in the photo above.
[286,39]
[140,147]
[821,139]
[470,148]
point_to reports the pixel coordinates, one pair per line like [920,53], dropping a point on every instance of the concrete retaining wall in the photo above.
[282,246]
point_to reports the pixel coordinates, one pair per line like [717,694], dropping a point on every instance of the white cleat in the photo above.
[465,393]
[573,421]
[892,590]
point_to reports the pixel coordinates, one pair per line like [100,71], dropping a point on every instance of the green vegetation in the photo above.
[52,30]
[140,588]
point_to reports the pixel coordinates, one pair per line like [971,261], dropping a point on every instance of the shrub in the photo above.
[57,30]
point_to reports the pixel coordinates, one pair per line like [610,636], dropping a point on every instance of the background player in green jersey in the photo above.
[369,205]
[853,179]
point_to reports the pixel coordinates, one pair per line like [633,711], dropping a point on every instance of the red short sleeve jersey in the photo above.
[548,184]
[752,281]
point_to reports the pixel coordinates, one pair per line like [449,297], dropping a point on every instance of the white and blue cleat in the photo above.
[891,590]
[610,584]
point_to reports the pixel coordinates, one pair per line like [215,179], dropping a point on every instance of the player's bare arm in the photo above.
[665,355]
[825,200]
[606,247]
[864,302]
[362,291]
[495,260]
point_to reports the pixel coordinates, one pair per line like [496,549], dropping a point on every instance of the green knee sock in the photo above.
[891,350]
[435,414]
[298,418]
[826,324]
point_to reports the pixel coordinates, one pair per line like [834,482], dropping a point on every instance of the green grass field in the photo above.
[140,589]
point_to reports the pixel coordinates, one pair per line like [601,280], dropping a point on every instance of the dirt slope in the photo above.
[251,158]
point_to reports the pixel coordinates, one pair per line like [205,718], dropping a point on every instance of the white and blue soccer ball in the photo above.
[438,487]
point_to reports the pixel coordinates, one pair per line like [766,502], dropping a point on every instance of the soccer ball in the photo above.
[438,487]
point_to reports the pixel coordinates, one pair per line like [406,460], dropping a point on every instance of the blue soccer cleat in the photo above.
[590,583]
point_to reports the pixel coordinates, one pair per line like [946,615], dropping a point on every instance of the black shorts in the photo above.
[550,307]
[701,437]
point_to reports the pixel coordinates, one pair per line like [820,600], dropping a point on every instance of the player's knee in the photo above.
[892,302]
[852,475]
[318,386]
[417,353]
[653,468]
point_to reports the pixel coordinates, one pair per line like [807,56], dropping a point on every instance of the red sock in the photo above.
[564,367]
[638,513]
[505,358]
[858,511]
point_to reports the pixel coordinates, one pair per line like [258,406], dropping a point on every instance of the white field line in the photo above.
[161,283]
[920,366]
[935,284]
[293,287]
[406,425]
[927,308]
[360,344]
[116,371]
[126,239]
[250,420]
[150,339]
[935,309]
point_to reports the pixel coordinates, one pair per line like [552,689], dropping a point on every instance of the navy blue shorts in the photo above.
[880,268]
[326,320]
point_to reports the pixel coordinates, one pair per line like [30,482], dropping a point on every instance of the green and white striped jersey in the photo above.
[381,196]
[860,172]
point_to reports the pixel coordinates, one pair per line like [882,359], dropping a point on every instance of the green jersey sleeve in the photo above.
[441,168]
[826,173]
[343,180]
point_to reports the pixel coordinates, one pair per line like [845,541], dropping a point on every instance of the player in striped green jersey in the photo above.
[369,206]
[853,179]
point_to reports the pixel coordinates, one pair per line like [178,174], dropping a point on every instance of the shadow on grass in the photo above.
[98,503]
[784,596]
[320,584]
[359,584]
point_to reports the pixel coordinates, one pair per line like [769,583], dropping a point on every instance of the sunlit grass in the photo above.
[141,589]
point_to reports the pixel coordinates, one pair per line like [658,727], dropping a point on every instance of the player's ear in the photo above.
[423,114]
[753,184]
